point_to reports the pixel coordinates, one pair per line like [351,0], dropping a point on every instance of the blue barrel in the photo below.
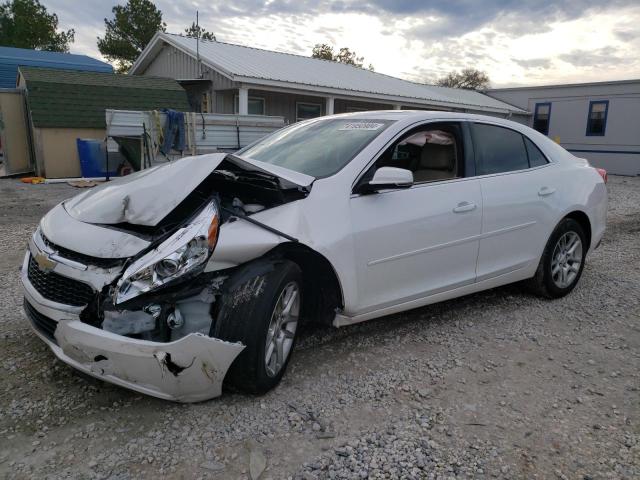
[93,158]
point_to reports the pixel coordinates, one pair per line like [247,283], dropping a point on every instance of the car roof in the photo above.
[408,117]
[417,115]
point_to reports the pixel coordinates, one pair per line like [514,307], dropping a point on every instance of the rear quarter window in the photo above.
[536,157]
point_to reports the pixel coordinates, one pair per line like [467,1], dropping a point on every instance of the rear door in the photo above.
[517,190]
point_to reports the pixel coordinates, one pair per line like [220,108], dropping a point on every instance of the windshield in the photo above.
[318,148]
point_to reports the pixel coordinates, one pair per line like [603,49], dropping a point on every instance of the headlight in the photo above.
[186,251]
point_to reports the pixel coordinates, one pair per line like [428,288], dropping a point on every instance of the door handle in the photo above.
[464,207]
[544,191]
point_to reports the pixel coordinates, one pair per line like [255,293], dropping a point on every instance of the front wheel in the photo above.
[260,308]
[562,262]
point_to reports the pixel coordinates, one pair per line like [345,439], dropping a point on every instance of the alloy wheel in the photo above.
[282,329]
[566,259]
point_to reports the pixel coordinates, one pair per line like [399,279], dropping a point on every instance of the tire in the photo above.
[248,313]
[550,282]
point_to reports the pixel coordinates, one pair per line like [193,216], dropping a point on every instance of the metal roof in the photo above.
[264,67]
[74,99]
[12,58]
[630,81]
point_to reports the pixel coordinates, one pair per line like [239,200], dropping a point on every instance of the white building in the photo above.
[225,78]
[598,121]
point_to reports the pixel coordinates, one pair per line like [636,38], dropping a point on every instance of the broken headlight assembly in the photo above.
[185,252]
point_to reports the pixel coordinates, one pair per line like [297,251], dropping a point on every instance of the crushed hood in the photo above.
[146,197]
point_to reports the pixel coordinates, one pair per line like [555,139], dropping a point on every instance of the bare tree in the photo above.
[345,55]
[469,79]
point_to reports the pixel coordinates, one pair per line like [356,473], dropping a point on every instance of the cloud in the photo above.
[515,41]
[533,62]
[602,57]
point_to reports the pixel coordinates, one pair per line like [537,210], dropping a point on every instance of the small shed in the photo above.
[15,155]
[64,105]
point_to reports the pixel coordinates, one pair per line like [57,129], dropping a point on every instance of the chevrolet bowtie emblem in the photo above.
[44,262]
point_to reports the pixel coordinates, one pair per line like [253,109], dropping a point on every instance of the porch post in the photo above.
[328,109]
[243,101]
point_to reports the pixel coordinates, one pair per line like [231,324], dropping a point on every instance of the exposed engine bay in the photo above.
[166,311]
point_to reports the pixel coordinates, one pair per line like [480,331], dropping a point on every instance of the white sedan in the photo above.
[175,279]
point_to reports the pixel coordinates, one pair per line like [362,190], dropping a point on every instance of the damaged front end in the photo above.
[121,291]
[157,344]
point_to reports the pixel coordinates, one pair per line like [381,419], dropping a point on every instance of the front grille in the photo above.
[81,257]
[40,322]
[58,288]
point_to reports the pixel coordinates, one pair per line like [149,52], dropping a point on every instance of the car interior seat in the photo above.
[437,162]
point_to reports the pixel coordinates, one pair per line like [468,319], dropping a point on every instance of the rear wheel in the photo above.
[562,262]
[261,308]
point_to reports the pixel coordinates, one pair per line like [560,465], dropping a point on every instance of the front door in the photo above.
[422,240]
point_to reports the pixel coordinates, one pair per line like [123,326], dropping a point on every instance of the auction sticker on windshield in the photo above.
[362,126]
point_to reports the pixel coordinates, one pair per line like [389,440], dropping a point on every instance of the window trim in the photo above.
[549,161]
[236,102]
[535,116]
[298,119]
[466,125]
[588,133]
[524,139]
[468,159]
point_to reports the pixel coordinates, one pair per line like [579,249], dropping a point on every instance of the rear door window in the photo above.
[498,149]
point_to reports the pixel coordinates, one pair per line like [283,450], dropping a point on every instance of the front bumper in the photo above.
[190,369]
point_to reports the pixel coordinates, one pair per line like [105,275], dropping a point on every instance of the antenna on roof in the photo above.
[198,44]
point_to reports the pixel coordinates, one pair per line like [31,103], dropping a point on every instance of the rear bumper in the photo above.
[190,369]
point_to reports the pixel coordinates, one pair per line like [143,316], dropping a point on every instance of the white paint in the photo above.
[145,197]
[415,230]
[141,365]
[243,101]
[69,232]
[392,250]
[329,102]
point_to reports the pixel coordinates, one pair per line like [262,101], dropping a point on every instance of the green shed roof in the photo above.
[75,99]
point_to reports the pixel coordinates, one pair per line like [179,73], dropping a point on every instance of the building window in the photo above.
[541,117]
[597,120]
[305,111]
[256,105]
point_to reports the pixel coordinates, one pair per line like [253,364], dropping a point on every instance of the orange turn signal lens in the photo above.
[212,236]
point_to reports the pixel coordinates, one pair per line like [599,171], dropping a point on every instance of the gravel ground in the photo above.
[499,384]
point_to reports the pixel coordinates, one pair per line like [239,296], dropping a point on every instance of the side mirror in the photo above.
[388,178]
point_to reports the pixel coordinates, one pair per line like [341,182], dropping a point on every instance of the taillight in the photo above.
[603,174]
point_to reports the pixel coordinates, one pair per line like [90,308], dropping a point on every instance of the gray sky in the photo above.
[515,42]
